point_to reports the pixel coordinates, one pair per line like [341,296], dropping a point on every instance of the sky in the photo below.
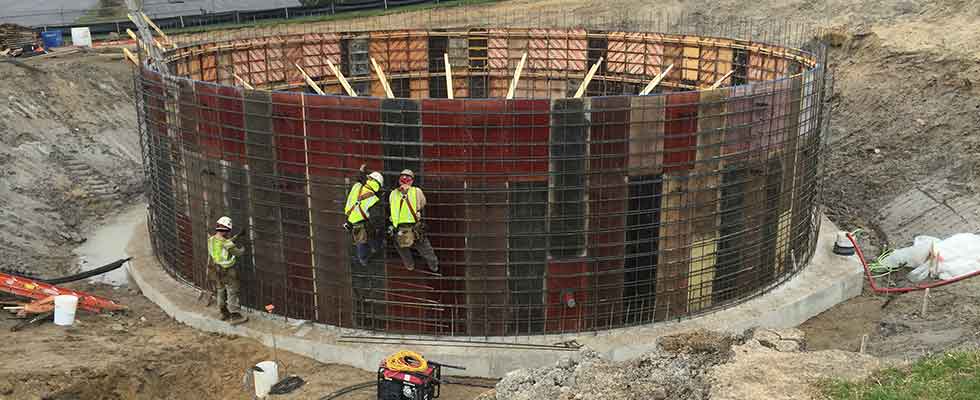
[59,12]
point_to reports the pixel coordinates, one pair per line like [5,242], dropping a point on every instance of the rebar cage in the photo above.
[549,213]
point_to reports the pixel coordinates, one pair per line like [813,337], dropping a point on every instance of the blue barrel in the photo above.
[52,39]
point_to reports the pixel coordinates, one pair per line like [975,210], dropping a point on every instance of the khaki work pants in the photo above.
[226,282]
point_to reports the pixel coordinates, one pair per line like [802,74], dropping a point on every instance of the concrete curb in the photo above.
[828,280]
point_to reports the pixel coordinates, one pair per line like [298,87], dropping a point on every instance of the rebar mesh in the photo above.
[549,214]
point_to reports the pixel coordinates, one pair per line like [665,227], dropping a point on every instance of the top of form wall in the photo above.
[483,61]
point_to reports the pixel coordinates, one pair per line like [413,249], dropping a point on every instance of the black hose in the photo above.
[288,385]
[87,274]
[351,388]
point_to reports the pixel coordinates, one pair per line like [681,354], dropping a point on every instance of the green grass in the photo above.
[951,376]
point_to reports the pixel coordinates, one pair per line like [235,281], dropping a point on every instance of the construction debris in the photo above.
[15,38]
[37,290]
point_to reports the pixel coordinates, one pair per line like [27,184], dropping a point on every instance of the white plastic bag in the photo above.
[943,259]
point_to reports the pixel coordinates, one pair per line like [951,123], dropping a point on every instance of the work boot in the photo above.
[225,314]
[434,268]
[410,267]
[236,318]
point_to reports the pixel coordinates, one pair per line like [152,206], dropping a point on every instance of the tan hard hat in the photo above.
[408,172]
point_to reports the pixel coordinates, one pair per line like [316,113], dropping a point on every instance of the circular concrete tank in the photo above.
[549,213]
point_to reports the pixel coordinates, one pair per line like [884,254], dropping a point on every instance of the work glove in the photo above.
[348,226]
[391,230]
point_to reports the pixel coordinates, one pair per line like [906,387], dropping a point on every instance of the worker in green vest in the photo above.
[406,203]
[365,222]
[223,255]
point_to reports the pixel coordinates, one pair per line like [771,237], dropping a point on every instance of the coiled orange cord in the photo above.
[406,361]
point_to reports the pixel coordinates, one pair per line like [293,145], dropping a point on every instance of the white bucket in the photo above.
[81,37]
[264,380]
[64,309]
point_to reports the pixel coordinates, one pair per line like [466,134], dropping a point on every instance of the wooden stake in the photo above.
[159,31]
[925,304]
[242,81]
[382,78]
[588,78]
[133,35]
[309,81]
[340,77]
[139,43]
[449,76]
[719,82]
[864,343]
[656,80]
[131,56]
[517,76]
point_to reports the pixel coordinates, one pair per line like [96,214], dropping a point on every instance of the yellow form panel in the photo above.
[692,57]
[701,276]
[782,240]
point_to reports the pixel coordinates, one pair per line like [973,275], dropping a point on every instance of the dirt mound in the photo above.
[69,154]
[676,370]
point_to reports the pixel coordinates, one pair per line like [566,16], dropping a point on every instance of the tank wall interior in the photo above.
[549,213]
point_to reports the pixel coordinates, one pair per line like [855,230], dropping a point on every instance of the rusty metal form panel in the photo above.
[209,122]
[680,131]
[498,55]
[646,134]
[289,129]
[608,157]
[231,123]
[486,209]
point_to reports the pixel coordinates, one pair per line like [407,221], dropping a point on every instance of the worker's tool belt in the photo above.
[360,232]
[407,234]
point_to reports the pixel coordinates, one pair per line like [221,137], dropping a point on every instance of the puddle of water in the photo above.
[108,244]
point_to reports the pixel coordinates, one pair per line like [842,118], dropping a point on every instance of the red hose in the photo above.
[876,289]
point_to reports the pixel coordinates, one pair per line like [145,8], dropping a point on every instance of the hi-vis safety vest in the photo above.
[360,200]
[404,206]
[218,249]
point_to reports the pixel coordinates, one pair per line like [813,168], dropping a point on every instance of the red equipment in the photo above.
[32,289]
[397,385]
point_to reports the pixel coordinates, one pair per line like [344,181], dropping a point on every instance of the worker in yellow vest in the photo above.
[223,255]
[406,203]
[365,222]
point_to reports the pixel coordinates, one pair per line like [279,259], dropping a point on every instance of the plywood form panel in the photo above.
[705,184]
[673,54]
[608,193]
[537,50]
[716,61]
[674,247]
[418,51]
[692,55]
[646,135]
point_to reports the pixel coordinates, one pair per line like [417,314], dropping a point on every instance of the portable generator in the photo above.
[409,385]
[407,376]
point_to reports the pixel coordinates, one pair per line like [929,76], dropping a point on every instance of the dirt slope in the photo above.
[69,154]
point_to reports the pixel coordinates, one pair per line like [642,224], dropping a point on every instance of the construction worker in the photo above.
[223,255]
[406,203]
[364,221]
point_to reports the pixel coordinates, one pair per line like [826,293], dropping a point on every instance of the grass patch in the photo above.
[336,17]
[951,376]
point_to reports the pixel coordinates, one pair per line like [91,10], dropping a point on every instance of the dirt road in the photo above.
[144,354]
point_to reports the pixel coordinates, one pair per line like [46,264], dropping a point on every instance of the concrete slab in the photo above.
[828,280]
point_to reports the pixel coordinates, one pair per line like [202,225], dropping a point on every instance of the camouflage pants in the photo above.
[226,282]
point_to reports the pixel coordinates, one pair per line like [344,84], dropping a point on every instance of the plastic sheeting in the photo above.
[946,259]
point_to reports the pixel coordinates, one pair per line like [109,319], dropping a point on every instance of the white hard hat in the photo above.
[224,223]
[378,177]
[408,172]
